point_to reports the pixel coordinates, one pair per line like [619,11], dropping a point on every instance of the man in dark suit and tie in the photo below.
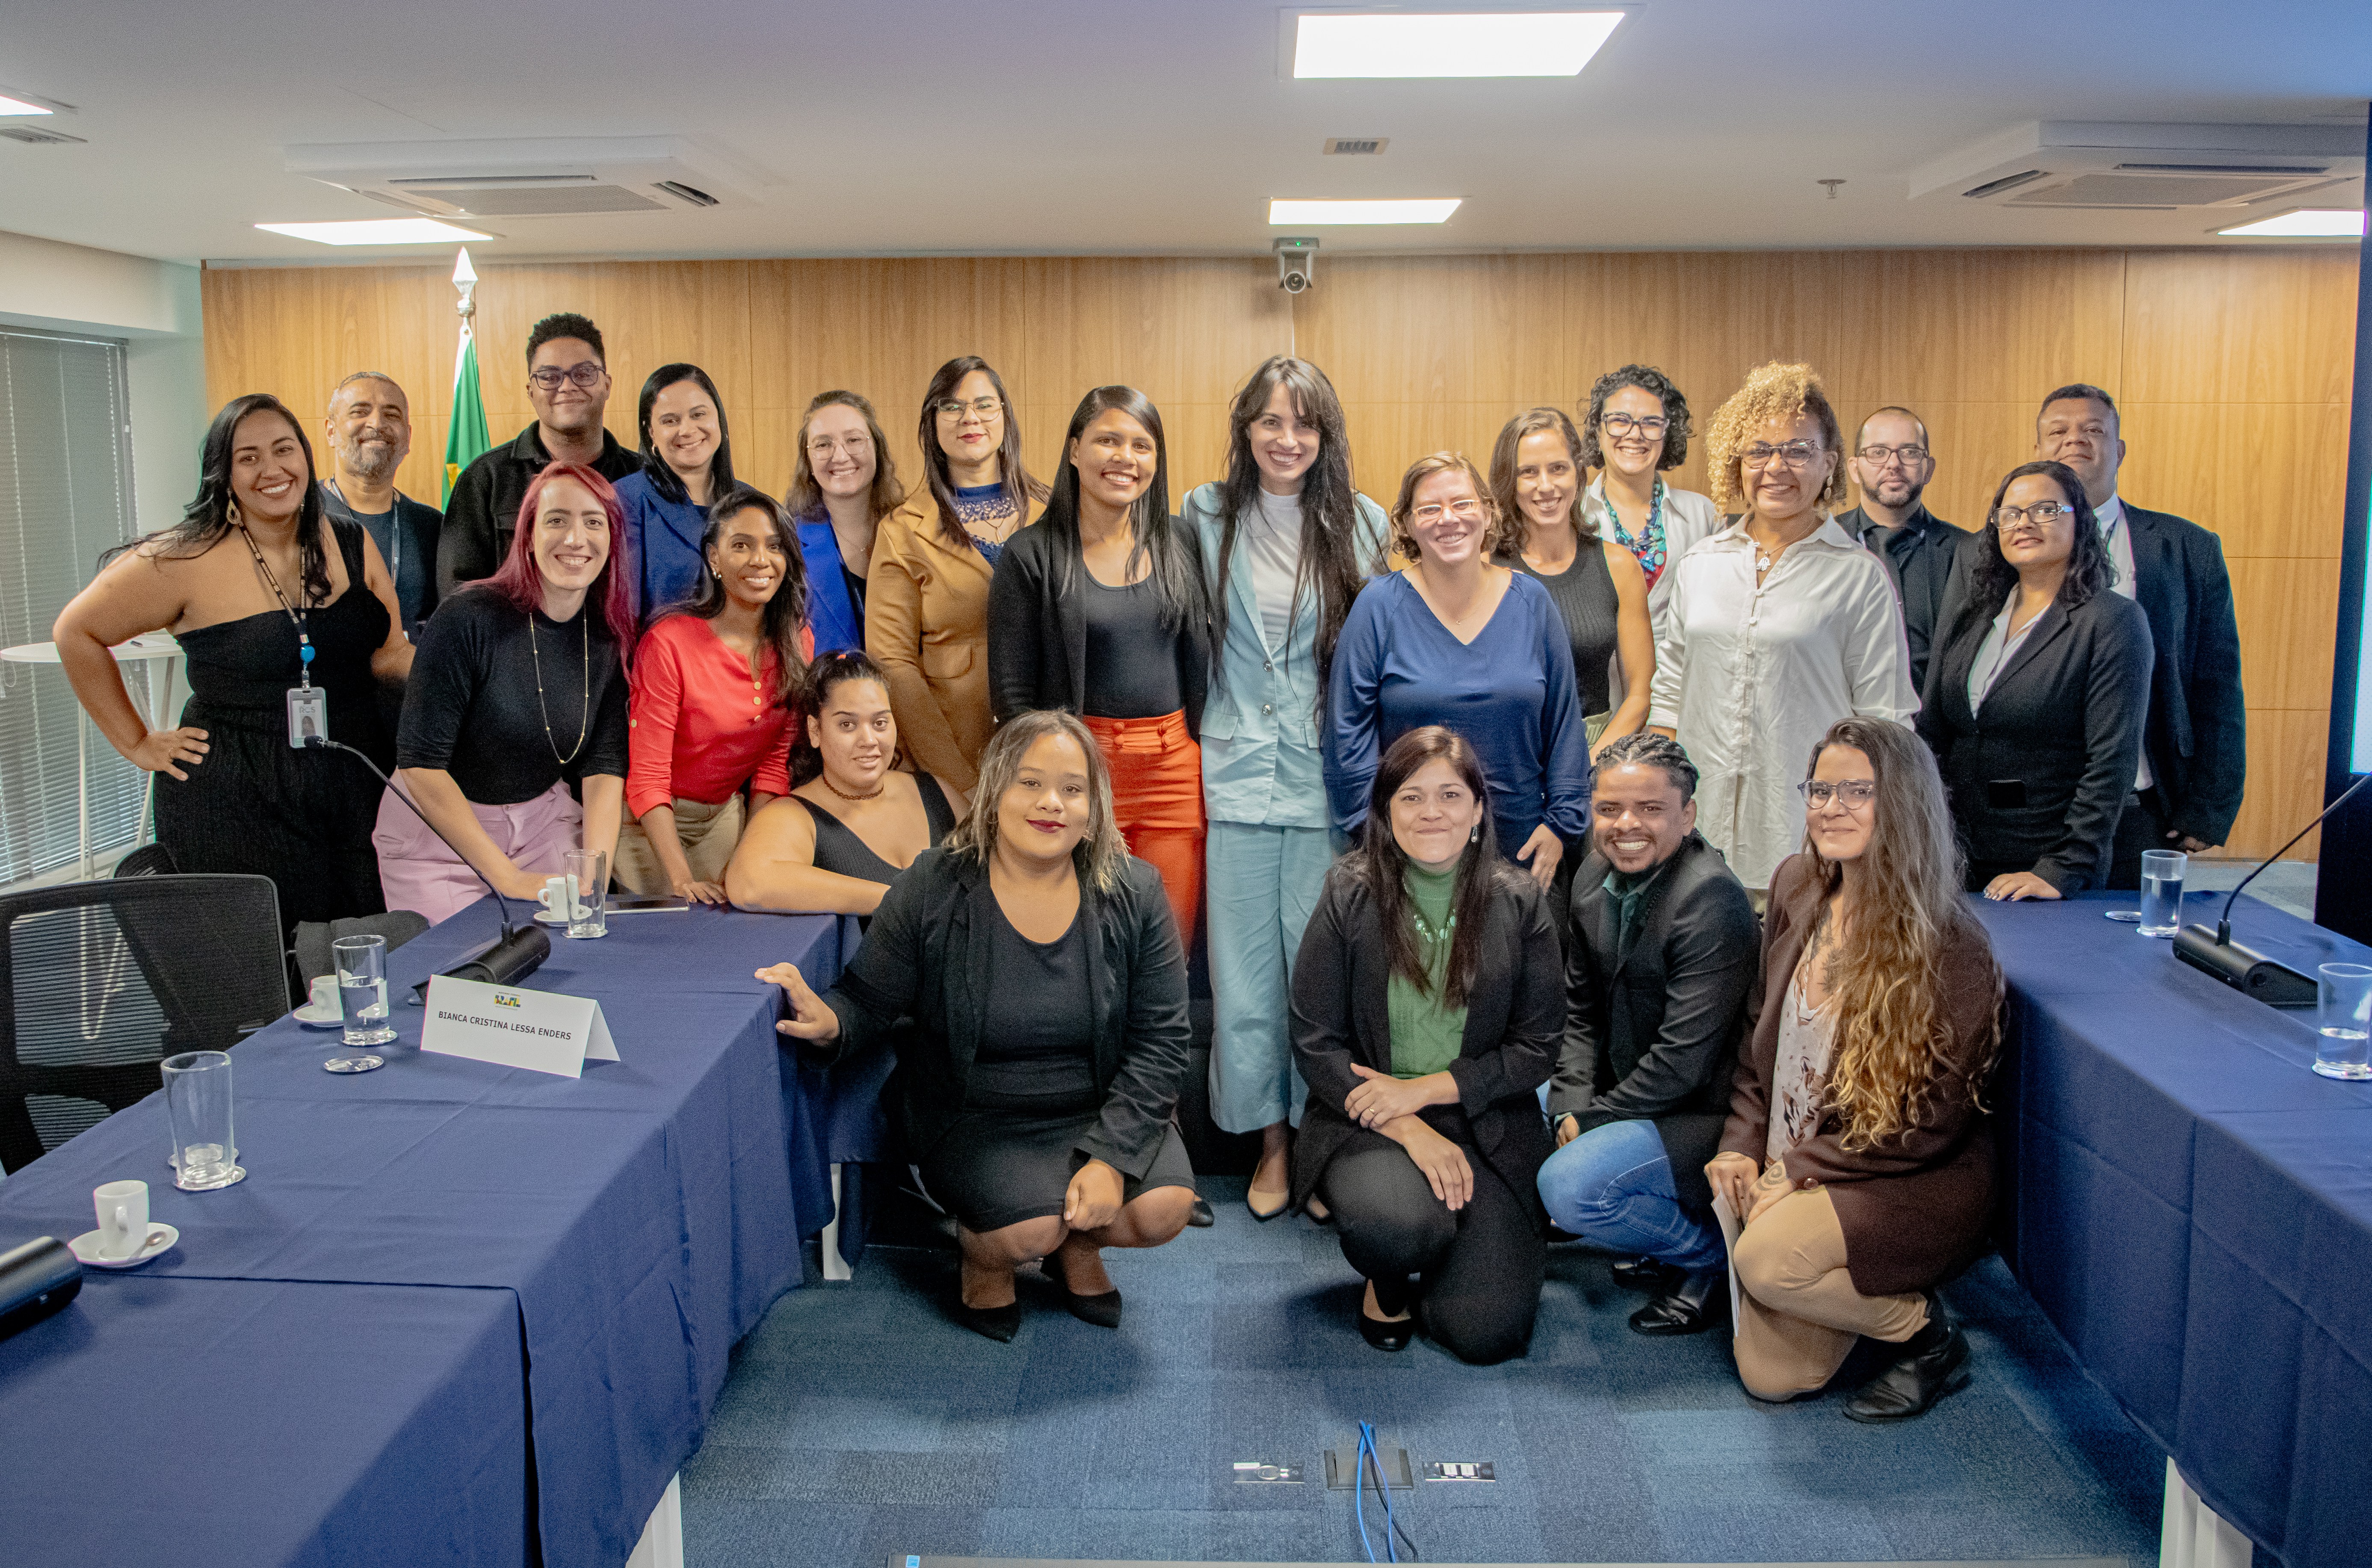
[2194,757]
[1892,463]
[1660,961]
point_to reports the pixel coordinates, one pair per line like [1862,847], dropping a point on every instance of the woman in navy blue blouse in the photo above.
[1455,639]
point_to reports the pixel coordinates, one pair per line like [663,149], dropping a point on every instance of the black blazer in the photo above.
[2198,719]
[1037,635]
[1655,1035]
[2041,775]
[1918,557]
[1513,1014]
[927,957]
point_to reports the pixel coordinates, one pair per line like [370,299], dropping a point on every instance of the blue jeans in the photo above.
[1612,1187]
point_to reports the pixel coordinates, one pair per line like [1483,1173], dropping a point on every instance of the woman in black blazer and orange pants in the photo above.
[2037,692]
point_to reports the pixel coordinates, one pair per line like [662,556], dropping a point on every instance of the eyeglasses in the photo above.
[956,408]
[1795,454]
[2043,514]
[588,375]
[1654,424]
[1462,509]
[1852,795]
[1879,456]
[823,446]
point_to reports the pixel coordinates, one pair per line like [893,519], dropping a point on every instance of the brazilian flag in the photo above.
[466,436]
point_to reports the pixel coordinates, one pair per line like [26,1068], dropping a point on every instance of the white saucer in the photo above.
[161,1237]
[545,917]
[317,1019]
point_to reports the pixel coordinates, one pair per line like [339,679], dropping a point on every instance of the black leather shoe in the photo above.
[1917,1379]
[1646,1274]
[1102,1310]
[1691,1307]
[998,1323]
[1387,1336]
[1201,1217]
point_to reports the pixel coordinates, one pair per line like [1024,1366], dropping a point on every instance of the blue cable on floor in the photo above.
[1369,1455]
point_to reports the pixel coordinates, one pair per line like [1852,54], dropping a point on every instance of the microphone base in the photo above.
[2244,969]
[506,961]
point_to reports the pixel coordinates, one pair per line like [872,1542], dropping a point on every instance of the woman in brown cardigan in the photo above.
[1857,1147]
[926,596]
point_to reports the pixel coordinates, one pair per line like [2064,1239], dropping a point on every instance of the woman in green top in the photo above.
[1427,1006]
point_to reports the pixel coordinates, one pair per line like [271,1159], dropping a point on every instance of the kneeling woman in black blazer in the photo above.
[2037,693]
[1041,970]
[1427,1002]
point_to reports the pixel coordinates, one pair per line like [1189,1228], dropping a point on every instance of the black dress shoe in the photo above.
[998,1323]
[1387,1336]
[1928,1368]
[1695,1305]
[1102,1310]
[1201,1217]
[1646,1274]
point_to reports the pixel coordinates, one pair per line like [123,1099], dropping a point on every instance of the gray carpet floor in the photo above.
[859,1421]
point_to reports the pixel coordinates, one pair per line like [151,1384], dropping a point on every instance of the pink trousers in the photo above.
[421,875]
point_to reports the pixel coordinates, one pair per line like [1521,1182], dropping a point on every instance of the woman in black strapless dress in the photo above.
[252,576]
[852,822]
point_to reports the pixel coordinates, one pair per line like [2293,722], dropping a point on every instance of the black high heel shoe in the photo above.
[998,1323]
[1385,1336]
[1102,1310]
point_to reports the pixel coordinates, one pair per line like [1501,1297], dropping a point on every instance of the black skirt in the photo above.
[1000,1167]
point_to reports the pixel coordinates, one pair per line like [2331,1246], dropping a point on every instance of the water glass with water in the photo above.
[2345,994]
[2162,872]
[589,877]
[362,996]
[197,1107]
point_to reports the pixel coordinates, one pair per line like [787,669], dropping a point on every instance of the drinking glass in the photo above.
[197,1107]
[2345,993]
[589,914]
[2162,872]
[362,996]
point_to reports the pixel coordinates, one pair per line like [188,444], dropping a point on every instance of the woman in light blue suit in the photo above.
[1286,543]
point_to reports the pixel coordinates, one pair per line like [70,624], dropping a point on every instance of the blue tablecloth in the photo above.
[2193,1207]
[643,1216]
[160,1420]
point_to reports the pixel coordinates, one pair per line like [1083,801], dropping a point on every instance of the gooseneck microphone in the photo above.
[2244,969]
[519,951]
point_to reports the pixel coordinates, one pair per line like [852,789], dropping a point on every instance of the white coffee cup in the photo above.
[560,897]
[123,1209]
[326,1002]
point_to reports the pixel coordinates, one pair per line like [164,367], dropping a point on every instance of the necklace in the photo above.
[1426,933]
[585,718]
[298,615]
[825,780]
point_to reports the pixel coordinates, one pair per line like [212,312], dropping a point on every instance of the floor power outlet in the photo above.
[1343,1468]
[1446,1469]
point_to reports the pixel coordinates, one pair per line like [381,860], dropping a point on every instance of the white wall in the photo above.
[153,307]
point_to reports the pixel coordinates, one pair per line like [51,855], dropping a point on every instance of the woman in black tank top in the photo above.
[1599,587]
[852,822]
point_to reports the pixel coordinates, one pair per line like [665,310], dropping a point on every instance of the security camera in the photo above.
[1296,264]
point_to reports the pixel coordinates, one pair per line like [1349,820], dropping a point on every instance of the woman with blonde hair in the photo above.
[1858,1150]
[843,484]
[1454,638]
[1040,969]
[1600,590]
[1780,624]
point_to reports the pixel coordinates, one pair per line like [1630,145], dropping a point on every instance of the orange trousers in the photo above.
[1156,780]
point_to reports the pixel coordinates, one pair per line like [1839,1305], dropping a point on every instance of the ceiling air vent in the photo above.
[690,193]
[527,178]
[1356,146]
[2006,183]
[34,136]
[2067,164]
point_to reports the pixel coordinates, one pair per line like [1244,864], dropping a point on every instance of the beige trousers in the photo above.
[707,833]
[1798,1312]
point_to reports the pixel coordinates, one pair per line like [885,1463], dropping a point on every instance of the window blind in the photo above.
[65,496]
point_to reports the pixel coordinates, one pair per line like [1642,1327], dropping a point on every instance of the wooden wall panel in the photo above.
[2231,367]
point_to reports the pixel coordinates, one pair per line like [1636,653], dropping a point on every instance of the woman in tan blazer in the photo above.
[926,609]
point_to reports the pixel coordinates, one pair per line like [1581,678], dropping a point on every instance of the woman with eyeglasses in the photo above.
[1598,586]
[843,484]
[1454,638]
[1858,1153]
[2037,693]
[686,463]
[1097,608]
[1636,427]
[926,604]
[1780,625]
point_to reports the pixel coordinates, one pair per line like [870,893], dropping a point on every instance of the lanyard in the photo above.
[298,616]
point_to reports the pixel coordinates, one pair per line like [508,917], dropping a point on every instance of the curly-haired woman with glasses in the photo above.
[1636,428]
[1858,1152]
[1780,624]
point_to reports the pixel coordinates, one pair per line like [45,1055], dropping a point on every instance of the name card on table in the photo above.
[540,1031]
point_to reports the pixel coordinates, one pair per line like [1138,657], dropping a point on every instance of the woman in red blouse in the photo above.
[714,690]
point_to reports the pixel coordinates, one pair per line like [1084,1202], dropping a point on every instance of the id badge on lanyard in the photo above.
[308,706]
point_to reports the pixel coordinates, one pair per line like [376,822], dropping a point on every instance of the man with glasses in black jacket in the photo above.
[1893,462]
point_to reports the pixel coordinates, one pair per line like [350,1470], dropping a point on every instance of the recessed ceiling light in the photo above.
[1430,209]
[1469,43]
[375,231]
[2309,223]
[18,106]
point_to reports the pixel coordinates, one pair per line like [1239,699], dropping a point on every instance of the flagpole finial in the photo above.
[463,273]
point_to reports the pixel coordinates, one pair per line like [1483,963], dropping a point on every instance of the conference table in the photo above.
[2191,1206]
[456,1311]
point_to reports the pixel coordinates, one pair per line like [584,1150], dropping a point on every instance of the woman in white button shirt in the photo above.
[1779,627]
[2037,692]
